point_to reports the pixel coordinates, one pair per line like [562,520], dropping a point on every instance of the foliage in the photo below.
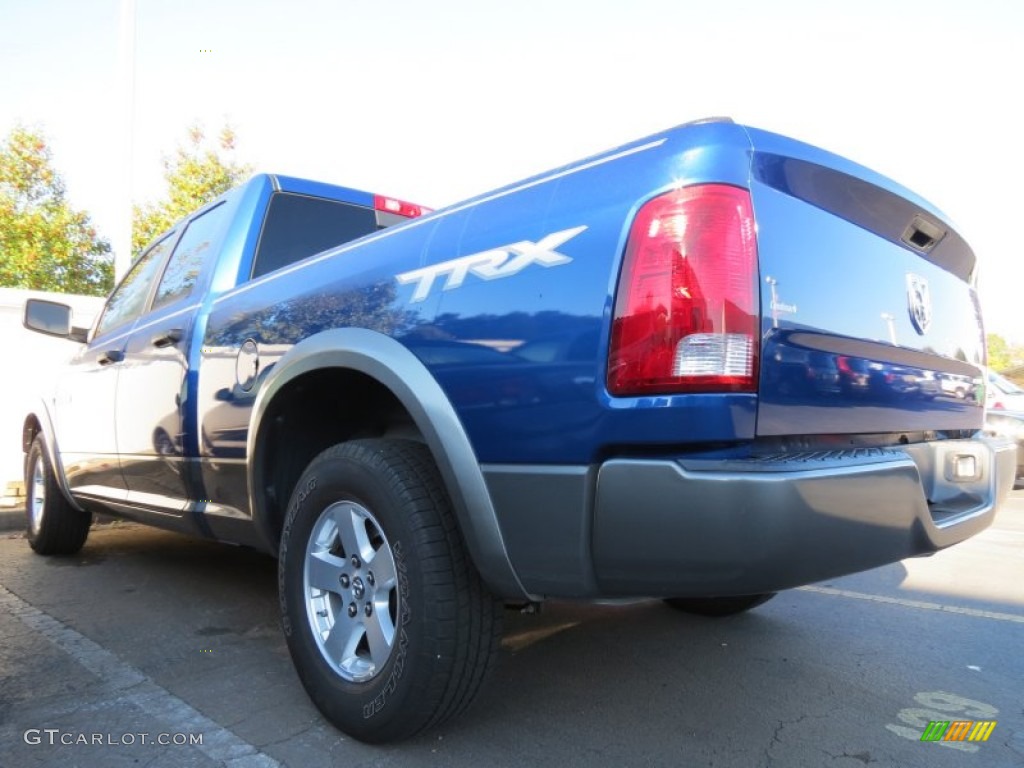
[195,175]
[1001,354]
[45,244]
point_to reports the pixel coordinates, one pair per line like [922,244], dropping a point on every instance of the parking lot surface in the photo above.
[147,643]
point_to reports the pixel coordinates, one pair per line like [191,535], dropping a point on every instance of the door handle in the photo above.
[110,356]
[167,338]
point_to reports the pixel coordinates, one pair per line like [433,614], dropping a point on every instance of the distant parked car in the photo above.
[1001,394]
[1009,424]
[956,385]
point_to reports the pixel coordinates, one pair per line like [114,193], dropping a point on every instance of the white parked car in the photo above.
[1001,394]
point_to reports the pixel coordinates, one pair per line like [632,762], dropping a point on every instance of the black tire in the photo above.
[718,606]
[54,526]
[446,626]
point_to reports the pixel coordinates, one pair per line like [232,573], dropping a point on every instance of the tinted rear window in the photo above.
[298,226]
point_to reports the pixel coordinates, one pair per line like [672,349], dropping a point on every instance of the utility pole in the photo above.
[890,321]
[125,158]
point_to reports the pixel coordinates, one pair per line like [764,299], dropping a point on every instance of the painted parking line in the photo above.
[140,691]
[920,604]
[521,640]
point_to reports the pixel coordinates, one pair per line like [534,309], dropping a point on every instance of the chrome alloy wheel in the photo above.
[37,497]
[351,591]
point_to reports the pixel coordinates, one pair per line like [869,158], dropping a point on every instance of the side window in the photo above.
[127,302]
[297,226]
[187,261]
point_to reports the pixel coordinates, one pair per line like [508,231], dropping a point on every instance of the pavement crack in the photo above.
[291,736]
[864,757]
[776,734]
[776,740]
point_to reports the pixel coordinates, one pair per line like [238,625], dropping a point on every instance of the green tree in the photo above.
[1002,354]
[998,352]
[196,174]
[45,244]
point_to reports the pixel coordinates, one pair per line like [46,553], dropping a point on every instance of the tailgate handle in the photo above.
[922,234]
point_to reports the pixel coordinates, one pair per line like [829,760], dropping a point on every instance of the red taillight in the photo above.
[686,310]
[402,208]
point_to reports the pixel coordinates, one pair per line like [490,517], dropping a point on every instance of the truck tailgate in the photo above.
[870,321]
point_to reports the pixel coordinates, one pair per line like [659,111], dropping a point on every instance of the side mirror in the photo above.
[52,318]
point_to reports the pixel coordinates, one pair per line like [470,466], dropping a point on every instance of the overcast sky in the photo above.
[436,101]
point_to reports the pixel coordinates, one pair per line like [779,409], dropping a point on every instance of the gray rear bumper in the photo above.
[692,528]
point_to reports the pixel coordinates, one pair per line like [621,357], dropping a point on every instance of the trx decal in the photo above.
[504,261]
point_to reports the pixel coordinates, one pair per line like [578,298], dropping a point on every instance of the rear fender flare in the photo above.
[394,366]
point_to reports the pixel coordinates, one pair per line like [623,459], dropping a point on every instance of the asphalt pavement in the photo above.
[147,643]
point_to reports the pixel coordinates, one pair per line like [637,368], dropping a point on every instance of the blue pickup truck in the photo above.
[704,367]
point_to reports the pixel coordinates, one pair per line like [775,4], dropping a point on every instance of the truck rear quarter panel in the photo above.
[520,352]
